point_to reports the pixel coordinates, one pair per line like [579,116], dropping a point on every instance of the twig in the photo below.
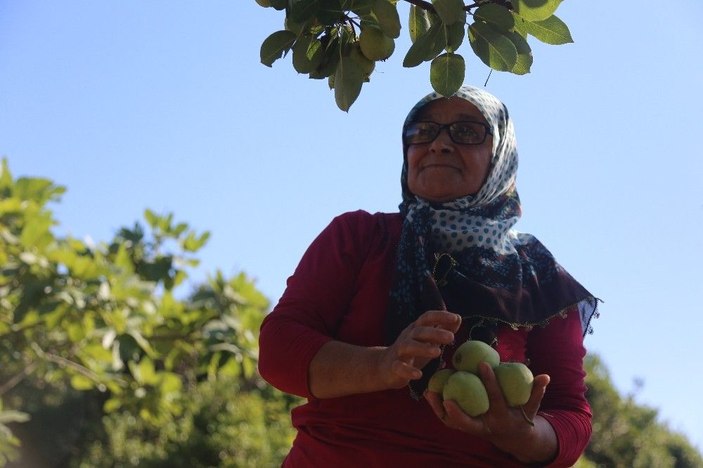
[62,361]
[10,384]
[423,4]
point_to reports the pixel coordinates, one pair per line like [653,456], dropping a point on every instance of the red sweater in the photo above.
[339,291]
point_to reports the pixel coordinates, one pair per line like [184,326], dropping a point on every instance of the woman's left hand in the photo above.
[509,429]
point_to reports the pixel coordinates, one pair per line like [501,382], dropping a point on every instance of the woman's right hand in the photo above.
[340,369]
[416,345]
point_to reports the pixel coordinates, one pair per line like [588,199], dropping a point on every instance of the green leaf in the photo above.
[151,218]
[519,26]
[348,80]
[535,10]
[303,10]
[143,371]
[497,15]
[141,341]
[37,189]
[330,12]
[367,66]
[275,46]
[361,7]
[75,332]
[550,31]
[97,353]
[193,243]
[36,231]
[447,73]
[454,36]
[248,368]
[81,382]
[11,205]
[112,405]
[147,371]
[450,11]
[524,57]
[424,46]
[493,47]
[418,22]
[170,383]
[388,18]
[292,26]
[5,176]
[313,55]
[11,416]
[85,268]
[329,58]
[301,62]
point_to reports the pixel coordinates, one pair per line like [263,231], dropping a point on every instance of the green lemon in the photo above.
[515,380]
[375,45]
[468,356]
[439,379]
[467,390]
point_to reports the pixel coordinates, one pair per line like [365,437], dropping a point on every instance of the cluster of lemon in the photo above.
[462,384]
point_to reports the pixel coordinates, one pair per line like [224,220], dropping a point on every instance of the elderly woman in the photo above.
[380,301]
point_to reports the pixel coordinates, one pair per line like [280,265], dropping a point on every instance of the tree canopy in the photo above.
[341,40]
[96,340]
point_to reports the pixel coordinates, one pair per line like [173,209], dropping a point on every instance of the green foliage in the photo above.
[323,33]
[104,363]
[626,434]
[221,425]
[100,331]
[9,443]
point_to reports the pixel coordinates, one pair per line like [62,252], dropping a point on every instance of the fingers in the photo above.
[419,343]
[440,319]
[424,334]
[495,394]
[424,337]
[500,418]
[457,419]
[451,414]
[435,401]
[539,387]
[406,369]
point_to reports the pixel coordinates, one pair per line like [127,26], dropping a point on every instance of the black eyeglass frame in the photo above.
[448,126]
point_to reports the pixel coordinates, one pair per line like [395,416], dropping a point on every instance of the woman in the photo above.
[379,302]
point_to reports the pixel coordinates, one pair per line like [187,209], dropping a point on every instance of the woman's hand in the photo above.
[418,344]
[340,369]
[519,431]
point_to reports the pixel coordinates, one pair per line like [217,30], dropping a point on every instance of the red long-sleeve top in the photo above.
[339,291]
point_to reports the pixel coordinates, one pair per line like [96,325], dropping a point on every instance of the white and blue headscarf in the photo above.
[465,254]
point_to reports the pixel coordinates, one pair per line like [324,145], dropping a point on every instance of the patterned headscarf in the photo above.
[465,256]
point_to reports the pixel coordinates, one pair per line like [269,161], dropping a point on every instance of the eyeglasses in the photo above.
[464,132]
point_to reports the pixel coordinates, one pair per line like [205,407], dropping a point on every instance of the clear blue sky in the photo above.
[164,105]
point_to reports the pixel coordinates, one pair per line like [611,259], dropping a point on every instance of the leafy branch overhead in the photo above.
[341,40]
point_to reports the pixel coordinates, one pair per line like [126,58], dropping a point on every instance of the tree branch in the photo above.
[63,362]
[423,4]
[14,381]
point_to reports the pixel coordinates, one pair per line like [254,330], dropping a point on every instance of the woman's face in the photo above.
[442,170]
